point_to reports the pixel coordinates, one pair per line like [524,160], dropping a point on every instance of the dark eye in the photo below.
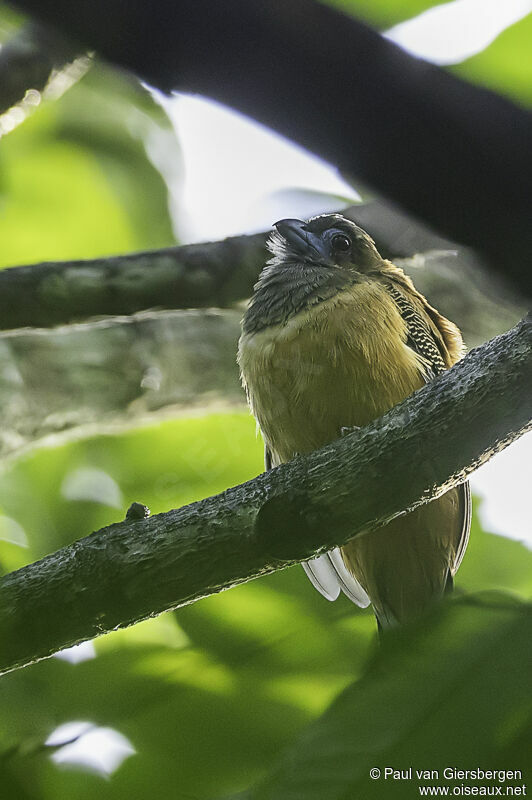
[341,243]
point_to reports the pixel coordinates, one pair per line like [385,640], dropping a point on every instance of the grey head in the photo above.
[311,262]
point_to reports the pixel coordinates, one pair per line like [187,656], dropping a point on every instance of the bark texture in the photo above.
[135,569]
[192,276]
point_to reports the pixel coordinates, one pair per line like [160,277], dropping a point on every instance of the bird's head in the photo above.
[312,261]
[329,241]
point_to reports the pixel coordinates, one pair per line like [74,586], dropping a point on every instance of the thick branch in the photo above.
[415,133]
[132,570]
[193,276]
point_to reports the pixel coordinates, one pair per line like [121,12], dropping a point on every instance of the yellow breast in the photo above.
[342,362]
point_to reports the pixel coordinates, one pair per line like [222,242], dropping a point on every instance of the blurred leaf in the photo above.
[113,117]
[200,724]
[10,20]
[212,694]
[56,204]
[506,65]
[454,692]
[495,562]
[208,695]
[76,180]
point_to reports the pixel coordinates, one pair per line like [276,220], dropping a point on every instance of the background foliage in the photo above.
[218,695]
[211,695]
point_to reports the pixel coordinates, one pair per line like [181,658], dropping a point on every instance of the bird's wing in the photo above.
[420,336]
[424,339]
[445,334]
[328,573]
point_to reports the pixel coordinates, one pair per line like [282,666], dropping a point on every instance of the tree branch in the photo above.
[416,133]
[220,273]
[178,360]
[136,569]
[193,276]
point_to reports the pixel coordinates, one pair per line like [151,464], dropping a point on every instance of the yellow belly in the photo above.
[343,362]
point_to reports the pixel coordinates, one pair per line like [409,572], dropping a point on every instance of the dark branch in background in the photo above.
[441,148]
[28,60]
[221,273]
[132,570]
[193,276]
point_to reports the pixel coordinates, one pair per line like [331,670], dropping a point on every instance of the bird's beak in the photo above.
[301,240]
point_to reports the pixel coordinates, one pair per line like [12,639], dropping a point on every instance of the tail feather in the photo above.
[328,574]
[348,583]
[322,576]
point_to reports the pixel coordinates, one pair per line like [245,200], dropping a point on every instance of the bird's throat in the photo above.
[284,290]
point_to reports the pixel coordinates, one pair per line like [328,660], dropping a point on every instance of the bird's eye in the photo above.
[341,243]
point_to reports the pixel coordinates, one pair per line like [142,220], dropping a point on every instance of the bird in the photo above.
[333,337]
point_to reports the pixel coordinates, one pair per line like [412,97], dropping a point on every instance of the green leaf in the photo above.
[505,65]
[495,562]
[454,692]
[57,204]
[211,695]
[117,121]
[76,178]
[163,465]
